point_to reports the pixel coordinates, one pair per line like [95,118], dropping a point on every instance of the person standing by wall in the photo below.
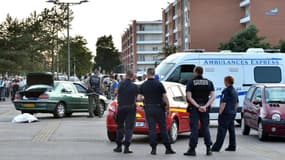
[126,114]
[156,109]
[198,91]
[227,113]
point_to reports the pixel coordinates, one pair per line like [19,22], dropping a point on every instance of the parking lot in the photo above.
[80,137]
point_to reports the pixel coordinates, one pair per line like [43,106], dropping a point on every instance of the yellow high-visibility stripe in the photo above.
[177,110]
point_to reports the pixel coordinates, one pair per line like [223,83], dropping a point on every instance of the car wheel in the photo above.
[173,131]
[59,110]
[99,111]
[111,136]
[262,135]
[245,128]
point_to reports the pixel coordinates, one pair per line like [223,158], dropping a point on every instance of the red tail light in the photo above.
[17,96]
[43,96]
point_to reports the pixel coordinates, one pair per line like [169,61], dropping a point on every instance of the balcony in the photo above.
[146,62]
[245,19]
[150,42]
[150,32]
[148,52]
[244,3]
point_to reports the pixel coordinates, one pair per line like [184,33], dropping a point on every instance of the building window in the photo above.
[141,47]
[141,27]
[141,37]
[154,48]
[141,58]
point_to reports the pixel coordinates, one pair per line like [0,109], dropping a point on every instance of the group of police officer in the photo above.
[200,95]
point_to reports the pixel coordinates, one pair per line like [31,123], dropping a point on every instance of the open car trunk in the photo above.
[34,92]
[37,84]
[40,78]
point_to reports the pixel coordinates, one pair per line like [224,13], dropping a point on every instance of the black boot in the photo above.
[153,150]
[127,150]
[118,148]
[230,149]
[209,151]
[191,152]
[169,150]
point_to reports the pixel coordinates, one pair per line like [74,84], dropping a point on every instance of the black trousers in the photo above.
[195,116]
[226,123]
[155,114]
[126,117]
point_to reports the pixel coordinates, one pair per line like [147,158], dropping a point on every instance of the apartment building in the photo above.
[267,15]
[196,24]
[141,45]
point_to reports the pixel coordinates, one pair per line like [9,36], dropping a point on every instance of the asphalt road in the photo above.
[82,138]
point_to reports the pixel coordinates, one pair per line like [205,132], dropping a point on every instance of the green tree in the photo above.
[168,50]
[107,57]
[247,38]
[54,21]
[80,56]
[12,52]
[281,46]
[32,43]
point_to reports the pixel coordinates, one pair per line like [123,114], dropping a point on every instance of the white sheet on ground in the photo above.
[24,118]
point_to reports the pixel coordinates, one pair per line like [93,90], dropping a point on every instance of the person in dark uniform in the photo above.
[126,115]
[156,109]
[227,113]
[95,87]
[200,95]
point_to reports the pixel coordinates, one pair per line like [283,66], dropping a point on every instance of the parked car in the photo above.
[61,98]
[264,110]
[177,120]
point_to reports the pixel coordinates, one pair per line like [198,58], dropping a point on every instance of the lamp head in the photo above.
[51,1]
[83,1]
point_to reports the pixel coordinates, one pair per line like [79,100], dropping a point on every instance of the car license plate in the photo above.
[29,105]
[139,124]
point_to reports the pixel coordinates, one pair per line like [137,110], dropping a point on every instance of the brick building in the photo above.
[193,24]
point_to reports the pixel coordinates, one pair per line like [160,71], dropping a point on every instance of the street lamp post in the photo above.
[67,4]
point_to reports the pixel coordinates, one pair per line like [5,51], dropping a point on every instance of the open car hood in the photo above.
[40,78]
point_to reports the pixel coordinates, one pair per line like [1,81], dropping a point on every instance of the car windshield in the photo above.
[275,95]
[163,69]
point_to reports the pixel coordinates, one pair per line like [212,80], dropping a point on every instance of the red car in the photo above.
[177,120]
[264,110]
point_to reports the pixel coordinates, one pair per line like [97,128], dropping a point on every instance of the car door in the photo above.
[247,104]
[83,98]
[70,96]
[179,106]
[254,107]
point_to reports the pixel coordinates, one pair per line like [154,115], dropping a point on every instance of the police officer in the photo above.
[227,113]
[156,107]
[200,95]
[94,86]
[126,115]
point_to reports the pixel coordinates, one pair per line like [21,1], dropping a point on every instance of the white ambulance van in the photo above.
[247,68]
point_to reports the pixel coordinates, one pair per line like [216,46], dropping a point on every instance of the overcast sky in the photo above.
[95,18]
